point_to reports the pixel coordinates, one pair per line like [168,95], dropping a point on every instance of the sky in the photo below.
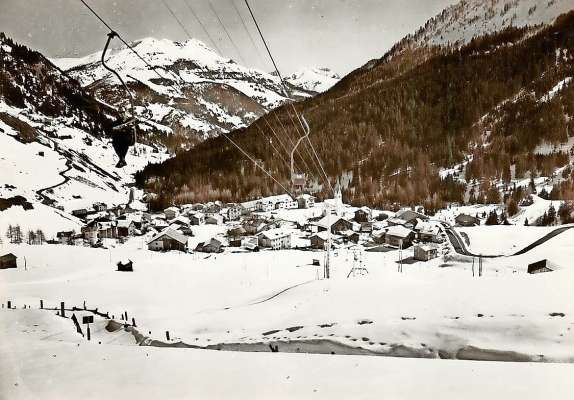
[339,34]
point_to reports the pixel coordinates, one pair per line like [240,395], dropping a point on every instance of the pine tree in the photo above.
[551,216]
[17,235]
[41,238]
[492,218]
[511,207]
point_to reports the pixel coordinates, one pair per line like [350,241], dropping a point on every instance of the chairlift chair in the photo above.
[124,135]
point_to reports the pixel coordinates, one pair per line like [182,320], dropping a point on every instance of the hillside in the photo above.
[404,127]
[55,143]
[201,94]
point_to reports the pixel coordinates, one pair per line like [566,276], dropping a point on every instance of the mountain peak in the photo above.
[314,79]
[461,22]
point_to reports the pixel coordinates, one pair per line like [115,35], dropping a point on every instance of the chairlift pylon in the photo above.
[299,180]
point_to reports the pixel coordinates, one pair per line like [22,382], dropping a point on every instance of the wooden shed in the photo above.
[8,261]
[541,266]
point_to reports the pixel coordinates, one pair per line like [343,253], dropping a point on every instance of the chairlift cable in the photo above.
[257,164]
[154,69]
[177,19]
[202,26]
[226,31]
[247,31]
[285,90]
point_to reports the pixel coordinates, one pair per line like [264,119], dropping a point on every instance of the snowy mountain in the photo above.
[468,19]
[193,91]
[316,80]
[401,122]
[56,150]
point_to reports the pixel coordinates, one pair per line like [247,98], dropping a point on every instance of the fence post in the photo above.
[41,304]
[9,304]
[62,311]
[133,322]
[167,335]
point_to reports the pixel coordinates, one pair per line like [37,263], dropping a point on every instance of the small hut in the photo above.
[127,267]
[541,266]
[8,261]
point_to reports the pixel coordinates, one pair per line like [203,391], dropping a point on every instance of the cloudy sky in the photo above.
[340,34]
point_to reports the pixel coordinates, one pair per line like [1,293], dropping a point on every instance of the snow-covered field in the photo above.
[502,240]
[430,308]
[36,364]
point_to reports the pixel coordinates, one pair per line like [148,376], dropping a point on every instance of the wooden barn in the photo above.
[168,239]
[466,220]
[425,252]
[541,266]
[8,261]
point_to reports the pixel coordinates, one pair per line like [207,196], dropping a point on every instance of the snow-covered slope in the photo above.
[54,146]
[200,93]
[314,79]
[467,19]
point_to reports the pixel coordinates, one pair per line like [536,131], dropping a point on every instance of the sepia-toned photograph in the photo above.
[286,199]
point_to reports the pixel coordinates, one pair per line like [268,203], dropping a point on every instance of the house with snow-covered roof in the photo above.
[171,212]
[399,236]
[275,239]
[168,239]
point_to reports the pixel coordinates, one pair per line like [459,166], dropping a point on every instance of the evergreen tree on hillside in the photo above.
[492,218]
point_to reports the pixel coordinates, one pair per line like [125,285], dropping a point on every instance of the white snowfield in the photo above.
[251,298]
[71,166]
[35,364]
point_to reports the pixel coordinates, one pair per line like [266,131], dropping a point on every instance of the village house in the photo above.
[425,252]
[236,232]
[250,243]
[168,239]
[8,261]
[214,245]
[80,213]
[351,236]
[466,220]
[363,214]
[197,207]
[427,232]
[234,212]
[125,228]
[319,240]
[286,203]
[366,227]
[197,219]
[337,224]
[254,226]
[409,217]
[305,201]
[275,239]
[171,213]
[65,237]
[186,230]
[399,236]
[90,232]
[214,219]
[98,206]
[107,229]
[264,206]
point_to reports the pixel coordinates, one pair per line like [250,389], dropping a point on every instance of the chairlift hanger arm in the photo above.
[112,35]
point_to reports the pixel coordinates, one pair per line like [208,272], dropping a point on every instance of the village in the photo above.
[272,223]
